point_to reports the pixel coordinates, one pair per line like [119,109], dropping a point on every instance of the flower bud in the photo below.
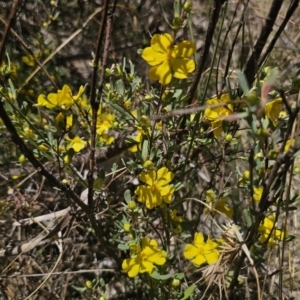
[228,138]
[59,121]
[127,227]
[89,284]
[246,175]
[187,6]
[145,120]
[132,205]
[175,282]
[148,164]
[272,154]
[177,23]
[252,98]
[67,159]
[21,159]
[177,229]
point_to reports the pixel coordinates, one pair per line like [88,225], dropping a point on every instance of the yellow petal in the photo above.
[162,73]
[190,251]
[161,42]
[164,175]
[273,109]
[181,67]
[148,177]
[131,266]
[157,258]
[199,260]
[167,190]
[64,97]
[257,193]
[223,208]
[69,122]
[148,196]
[217,128]
[42,101]
[146,266]
[80,92]
[184,49]
[152,57]
[212,257]
[198,240]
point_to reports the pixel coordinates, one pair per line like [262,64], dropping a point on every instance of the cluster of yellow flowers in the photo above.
[168,61]
[157,189]
[64,100]
[147,253]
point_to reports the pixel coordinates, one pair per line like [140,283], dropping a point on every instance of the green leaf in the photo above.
[243,82]
[123,247]
[78,288]
[127,196]
[120,88]
[297,153]
[12,89]
[98,183]
[102,282]
[165,277]
[188,292]
[145,149]
[247,216]
[122,111]
[179,276]
[155,275]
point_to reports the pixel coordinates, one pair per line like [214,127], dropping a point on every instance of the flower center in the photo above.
[143,255]
[169,54]
[155,187]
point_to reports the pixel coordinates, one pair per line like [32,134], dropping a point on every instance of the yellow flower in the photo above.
[138,139]
[174,217]
[106,139]
[69,122]
[76,143]
[143,259]
[289,143]
[83,103]
[63,98]
[157,188]
[104,123]
[216,115]
[273,109]
[257,193]
[43,147]
[29,133]
[28,60]
[169,60]
[268,225]
[201,252]
[217,205]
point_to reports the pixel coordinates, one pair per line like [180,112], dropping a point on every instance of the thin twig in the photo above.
[205,50]
[7,27]
[288,15]
[252,64]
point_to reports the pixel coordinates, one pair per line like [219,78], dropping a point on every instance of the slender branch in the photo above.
[95,103]
[32,54]
[252,64]
[205,50]
[97,56]
[36,163]
[288,15]
[234,40]
[7,27]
